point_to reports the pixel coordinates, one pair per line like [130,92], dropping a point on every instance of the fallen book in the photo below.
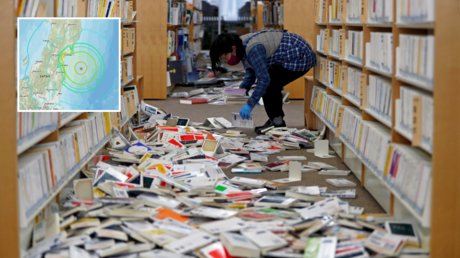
[194,101]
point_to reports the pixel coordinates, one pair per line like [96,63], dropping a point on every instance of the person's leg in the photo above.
[273,98]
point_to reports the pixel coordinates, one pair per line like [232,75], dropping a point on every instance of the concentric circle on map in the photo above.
[82,66]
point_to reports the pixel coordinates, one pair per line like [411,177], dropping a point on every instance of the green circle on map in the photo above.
[91,65]
[67,80]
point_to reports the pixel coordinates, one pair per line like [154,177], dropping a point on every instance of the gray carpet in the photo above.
[294,119]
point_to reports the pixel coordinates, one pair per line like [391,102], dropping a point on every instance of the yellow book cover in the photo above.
[360,133]
[107,123]
[328,105]
[98,193]
[21,8]
[101,8]
[159,167]
[77,148]
[334,11]
[387,164]
[337,76]
[320,103]
[112,12]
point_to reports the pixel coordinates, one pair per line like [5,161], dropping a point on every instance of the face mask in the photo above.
[234,60]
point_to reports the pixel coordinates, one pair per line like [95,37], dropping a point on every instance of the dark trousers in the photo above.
[273,98]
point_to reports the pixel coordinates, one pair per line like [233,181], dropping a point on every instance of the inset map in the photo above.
[68,64]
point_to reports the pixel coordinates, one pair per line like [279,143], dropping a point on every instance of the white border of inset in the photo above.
[18,77]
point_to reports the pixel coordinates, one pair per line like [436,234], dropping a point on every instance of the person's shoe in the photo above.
[266,125]
[278,122]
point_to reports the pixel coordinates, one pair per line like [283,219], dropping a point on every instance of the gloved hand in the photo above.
[245,112]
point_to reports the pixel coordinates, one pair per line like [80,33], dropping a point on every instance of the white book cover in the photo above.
[248,181]
[326,207]
[190,243]
[340,182]
[265,239]
[220,226]
[237,241]
[214,213]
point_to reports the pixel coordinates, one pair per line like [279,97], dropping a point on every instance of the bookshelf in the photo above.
[9,236]
[436,221]
[15,240]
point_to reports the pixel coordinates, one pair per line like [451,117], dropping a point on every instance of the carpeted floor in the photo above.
[294,119]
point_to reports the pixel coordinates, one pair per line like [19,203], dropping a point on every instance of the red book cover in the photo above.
[193,101]
[240,194]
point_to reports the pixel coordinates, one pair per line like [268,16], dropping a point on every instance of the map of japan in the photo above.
[68,64]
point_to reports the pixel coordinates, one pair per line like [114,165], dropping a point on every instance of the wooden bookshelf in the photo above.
[293,10]
[446,193]
[442,228]
[15,240]
[9,235]
[257,11]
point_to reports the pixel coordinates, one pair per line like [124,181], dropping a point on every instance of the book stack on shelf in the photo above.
[376,60]
[379,53]
[273,13]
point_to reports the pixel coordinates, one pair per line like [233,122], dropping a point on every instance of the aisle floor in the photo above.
[294,119]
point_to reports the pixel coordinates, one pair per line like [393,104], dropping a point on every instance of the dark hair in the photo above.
[223,45]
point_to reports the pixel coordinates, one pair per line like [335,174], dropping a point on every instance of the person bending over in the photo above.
[275,58]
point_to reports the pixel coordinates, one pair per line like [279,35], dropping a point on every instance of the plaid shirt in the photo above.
[293,53]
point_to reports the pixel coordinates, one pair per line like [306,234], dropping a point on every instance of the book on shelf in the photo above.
[321,11]
[379,96]
[29,124]
[177,12]
[335,10]
[67,8]
[380,11]
[414,116]
[353,14]
[321,69]
[408,11]
[334,43]
[380,52]
[334,75]
[355,46]
[353,85]
[197,17]
[415,58]
[322,40]
[327,106]
[272,13]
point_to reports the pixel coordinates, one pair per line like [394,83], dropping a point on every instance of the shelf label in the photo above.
[342,36]
[316,10]
[338,129]
[321,70]
[364,4]
[326,41]
[344,78]
[343,11]
[363,90]
[417,121]
[336,75]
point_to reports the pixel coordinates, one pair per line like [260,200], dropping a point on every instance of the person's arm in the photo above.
[258,60]
[249,79]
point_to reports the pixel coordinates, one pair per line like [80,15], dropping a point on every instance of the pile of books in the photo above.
[158,190]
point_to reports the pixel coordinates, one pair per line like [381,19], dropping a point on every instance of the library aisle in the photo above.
[366,166]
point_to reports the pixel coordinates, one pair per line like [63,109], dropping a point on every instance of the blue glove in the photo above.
[245,112]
